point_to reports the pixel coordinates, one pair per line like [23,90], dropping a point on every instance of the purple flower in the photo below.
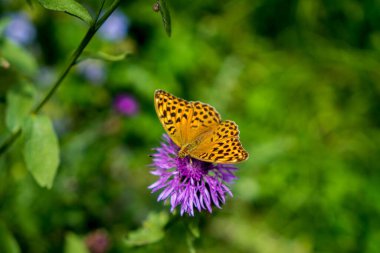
[20,29]
[116,27]
[188,182]
[126,104]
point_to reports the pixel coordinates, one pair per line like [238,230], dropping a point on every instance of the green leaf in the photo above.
[69,6]
[105,56]
[7,241]
[41,150]
[74,244]
[19,58]
[20,100]
[152,230]
[165,14]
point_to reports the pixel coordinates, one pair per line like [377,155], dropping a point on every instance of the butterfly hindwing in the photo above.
[222,145]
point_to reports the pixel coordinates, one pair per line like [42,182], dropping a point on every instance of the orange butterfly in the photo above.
[198,130]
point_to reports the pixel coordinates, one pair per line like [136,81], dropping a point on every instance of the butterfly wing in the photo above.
[174,114]
[184,121]
[222,145]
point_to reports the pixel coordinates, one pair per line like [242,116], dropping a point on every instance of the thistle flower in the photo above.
[188,182]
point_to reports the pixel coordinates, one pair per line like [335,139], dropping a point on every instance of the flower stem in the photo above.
[72,61]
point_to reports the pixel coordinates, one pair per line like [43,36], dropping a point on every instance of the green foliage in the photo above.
[105,56]
[165,15]
[8,243]
[69,6]
[151,231]
[41,151]
[74,243]
[20,100]
[20,59]
[301,79]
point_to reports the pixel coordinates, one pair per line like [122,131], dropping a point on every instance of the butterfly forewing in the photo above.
[174,114]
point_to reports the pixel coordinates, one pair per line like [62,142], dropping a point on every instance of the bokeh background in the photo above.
[299,77]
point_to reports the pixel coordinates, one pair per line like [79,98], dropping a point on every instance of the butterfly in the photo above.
[197,129]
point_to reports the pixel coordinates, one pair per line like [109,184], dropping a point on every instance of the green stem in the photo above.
[87,38]
[9,141]
[90,33]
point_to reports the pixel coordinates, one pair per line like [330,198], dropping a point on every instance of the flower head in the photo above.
[188,182]
[126,104]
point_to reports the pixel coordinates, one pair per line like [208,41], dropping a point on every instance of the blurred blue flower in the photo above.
[116,27]
[20,29]
[93,70]
[188,182]
[46,76]
[126,104]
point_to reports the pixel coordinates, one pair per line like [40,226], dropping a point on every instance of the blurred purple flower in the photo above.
[20,29]
[187,182]
[97,241]
[116,27]
[126,104]
[93,71]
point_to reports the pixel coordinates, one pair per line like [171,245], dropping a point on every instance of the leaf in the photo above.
[41,150]
[20,100]
[74,244]
[8,243]
[69,6]
[19,58]
[165,14]
[152,230]
[105,56]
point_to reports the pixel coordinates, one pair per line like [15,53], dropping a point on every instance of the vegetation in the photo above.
[300,78]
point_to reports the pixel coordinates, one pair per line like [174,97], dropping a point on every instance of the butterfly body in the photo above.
[197,129]
[188,148]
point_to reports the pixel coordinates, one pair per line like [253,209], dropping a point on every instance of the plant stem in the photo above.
[73,59]
[90,33]
[9,141]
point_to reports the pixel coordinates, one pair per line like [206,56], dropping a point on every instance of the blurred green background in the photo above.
[300,78]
